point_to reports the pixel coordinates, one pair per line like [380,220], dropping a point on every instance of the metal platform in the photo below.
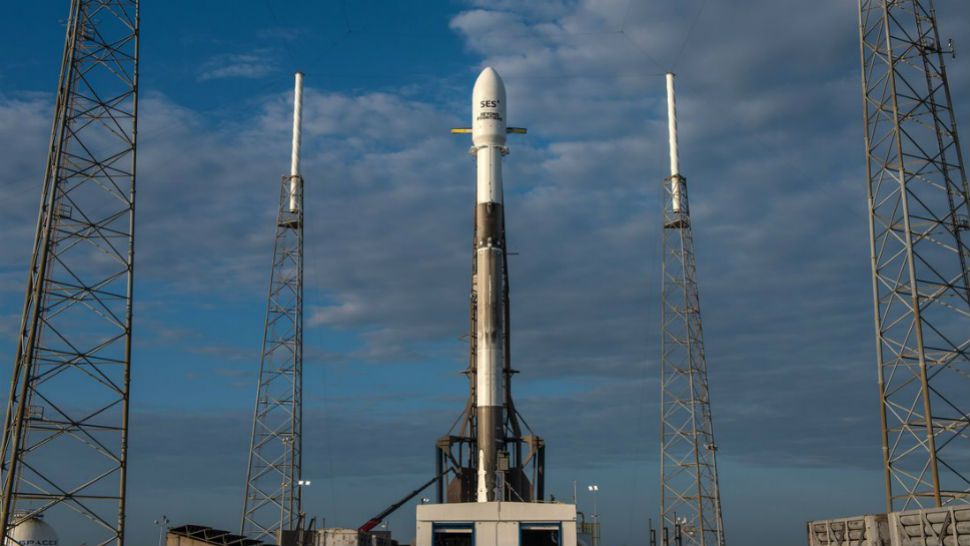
[496,524]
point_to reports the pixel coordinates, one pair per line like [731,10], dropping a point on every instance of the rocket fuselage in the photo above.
[488,137]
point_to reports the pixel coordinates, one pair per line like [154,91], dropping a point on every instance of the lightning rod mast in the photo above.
[272,500]
[689,496]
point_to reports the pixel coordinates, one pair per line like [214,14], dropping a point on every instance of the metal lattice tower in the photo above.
[65,434]
[690,497]
[272,499]
[918,221]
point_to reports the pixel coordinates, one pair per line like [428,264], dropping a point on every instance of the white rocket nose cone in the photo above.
[488,109]
[489,82]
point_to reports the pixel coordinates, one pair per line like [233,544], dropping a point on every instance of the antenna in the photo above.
[272,501]
[690,499]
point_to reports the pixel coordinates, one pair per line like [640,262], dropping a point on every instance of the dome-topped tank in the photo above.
[33,531]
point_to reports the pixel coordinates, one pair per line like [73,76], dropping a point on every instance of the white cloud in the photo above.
[251,65]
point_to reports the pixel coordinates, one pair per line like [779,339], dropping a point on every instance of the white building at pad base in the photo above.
[496,524]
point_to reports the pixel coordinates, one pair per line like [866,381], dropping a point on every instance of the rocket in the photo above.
[488,132]
[490,465]
[488,140]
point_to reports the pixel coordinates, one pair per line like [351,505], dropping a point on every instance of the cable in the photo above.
[652,59]
[285,42]
[626,13]
[683,46]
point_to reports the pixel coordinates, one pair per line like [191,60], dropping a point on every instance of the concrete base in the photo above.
[496,524]
[949,525]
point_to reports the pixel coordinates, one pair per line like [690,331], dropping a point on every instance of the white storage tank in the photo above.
[33,531]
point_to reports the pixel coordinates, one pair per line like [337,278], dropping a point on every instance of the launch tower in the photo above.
[689,497]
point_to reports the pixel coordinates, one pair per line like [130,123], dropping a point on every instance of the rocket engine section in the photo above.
[492,468]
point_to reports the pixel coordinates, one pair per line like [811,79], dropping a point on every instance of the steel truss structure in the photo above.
[273,498]
[65,434]
[918,221]
[690,498]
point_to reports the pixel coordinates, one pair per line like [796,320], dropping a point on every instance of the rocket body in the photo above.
[488,138]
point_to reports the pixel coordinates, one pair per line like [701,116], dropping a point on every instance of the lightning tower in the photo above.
[65,434]
[272,500]
[918,222]
[689,496]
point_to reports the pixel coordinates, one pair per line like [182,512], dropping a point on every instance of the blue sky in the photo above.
[772,145]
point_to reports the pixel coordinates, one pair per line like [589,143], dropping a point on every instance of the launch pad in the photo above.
[495,524]
[524,467]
